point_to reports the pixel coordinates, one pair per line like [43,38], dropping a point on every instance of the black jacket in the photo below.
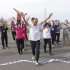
[3,31]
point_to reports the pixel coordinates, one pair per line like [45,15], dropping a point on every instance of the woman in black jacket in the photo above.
[4,37]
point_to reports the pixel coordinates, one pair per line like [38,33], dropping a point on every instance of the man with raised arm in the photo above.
[34,36]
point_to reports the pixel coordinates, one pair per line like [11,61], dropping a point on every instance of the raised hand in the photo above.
[50,15]
[27,19]
[23,15]
[47,18]
[16,10]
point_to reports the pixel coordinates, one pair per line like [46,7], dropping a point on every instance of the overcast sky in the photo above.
[35,8]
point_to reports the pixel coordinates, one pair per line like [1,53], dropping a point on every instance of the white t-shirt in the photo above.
[46,33]
[34,32]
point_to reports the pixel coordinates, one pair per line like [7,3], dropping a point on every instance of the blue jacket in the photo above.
[57,28]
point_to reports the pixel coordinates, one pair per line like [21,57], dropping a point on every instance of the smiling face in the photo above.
[35,21]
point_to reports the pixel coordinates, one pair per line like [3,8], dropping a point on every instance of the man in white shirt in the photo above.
[34,36]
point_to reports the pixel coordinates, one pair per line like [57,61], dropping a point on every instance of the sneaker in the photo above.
[52,45]
[37,63]
[3,48]
[25,49]
[33,58]
[21,51]
[57,44]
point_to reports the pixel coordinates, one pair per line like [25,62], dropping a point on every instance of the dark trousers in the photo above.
[53,36]
[47,41]
[13,34]
[35,45]
[53,39]
[4,38]
[57,37]
[20,45]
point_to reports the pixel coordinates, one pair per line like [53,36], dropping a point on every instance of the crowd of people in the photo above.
[51,33]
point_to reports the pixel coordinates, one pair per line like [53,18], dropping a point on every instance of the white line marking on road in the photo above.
[49,61]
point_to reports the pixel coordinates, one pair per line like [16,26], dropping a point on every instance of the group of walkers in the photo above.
[51,33]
